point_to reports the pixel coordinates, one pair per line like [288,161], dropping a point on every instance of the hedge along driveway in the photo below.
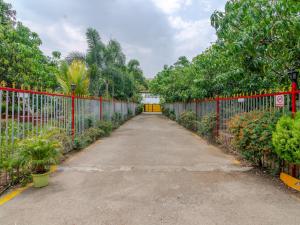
[153,171]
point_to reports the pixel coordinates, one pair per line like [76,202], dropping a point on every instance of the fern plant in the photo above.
[39,153]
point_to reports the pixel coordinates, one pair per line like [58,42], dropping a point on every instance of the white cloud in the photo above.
[65,36]
[171,6]
[135,49]
[191,37]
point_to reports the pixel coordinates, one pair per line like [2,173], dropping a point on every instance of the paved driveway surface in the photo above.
[151,171]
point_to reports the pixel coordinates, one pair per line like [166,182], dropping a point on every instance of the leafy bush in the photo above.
[3,108]
[169,113]
[10,108]
[207,126]
[39,152]
[116,119]
[139,109]
[172,115]
[188,120]
[286,139]
[88,137]
[252,133]
[106,126]
[88,122]
[129,113]
[59,135]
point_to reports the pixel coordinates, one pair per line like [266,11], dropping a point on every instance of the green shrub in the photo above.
[116,119]
[286,139]
[207,126]
[39,152]
[172,115]
[3,108]
[165,111]
[82,141]
[252,134]
[88,122]
[94,133]
[59,135]
[188,120]
[87,137]
[169,113]
[129,113]
[139,109]
[106,126]
[10,108]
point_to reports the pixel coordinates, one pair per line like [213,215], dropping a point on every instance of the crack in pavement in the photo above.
[202,168]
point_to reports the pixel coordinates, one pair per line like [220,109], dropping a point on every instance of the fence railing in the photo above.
[25,113]
[226,107]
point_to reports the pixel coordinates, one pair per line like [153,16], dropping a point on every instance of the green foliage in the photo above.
[129,113]
[106,126]
[257,43]
[39,152]
[169,113]
[139,109]
[101,71]
[64,140]
[109,75]
[188,120]
[116,120]
[21,60]
[207,126]
[88,137]
[286,139]
[76,74]
[252,133]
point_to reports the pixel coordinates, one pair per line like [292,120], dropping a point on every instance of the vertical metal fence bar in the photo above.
[1,125]
[33,115]
[41,113]
[37,114]
[6,123]
[28,113]
[12,121]
[23,115]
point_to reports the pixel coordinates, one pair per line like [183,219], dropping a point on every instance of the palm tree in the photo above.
[76,74]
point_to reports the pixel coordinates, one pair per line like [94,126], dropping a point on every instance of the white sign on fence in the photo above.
[279,100]
[23,95]
[241,100]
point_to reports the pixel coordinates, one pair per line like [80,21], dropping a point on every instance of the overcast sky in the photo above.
[156,32]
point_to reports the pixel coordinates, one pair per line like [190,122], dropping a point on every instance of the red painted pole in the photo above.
[101,107]
[217,116]
[294,110]
[294,93]
[73,115]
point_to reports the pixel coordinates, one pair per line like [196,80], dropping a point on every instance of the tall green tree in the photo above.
[21,60]
[257,44]
[75,73]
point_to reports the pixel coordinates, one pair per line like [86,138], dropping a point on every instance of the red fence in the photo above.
[26,112]
[226,107]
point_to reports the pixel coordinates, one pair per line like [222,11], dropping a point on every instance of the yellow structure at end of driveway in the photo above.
[290,181]
[18,191]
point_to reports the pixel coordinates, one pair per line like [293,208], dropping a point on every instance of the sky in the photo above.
[156,32]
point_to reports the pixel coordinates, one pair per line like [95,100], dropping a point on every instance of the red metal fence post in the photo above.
[73,115]
[101,107]
[217,116]
[294,93]
[294,110]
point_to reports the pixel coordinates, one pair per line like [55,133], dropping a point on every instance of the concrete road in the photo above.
[151,171]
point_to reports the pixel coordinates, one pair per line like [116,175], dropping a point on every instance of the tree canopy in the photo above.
[21,60]
[257,44]
[102,69]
